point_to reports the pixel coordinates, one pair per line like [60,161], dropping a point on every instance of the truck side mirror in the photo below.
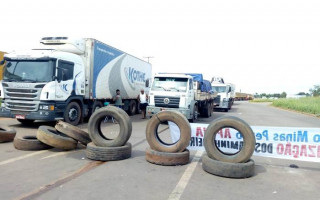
[229,89]
[147,83]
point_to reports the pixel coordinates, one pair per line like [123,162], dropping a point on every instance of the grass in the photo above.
[261,100]
[310,105]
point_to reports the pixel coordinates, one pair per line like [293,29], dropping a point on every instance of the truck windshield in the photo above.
[29,71]
[170,84]
[219,89]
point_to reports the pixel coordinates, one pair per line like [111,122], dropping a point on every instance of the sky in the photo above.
[262,46]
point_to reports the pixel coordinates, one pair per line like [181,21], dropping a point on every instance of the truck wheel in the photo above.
[73,132]
[29,143]
[96,105]
[167,159]
[26,122]
[241,126]
[165,116]
[7,134]
[206,111]
[132,107]
[54,138]
[72,114]
[226,169]
[195,114]
[120,116]
[94,152]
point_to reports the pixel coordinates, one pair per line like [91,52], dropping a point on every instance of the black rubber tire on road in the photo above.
[120,116]
[94,152]
[73,114]
[26,122]
[167,159]
[195,114]
[96,105]
[73,132]
[206,111]
[153,137]
[132,107]
[7,134]
[226,169]
[249,140]
[29,143]
[54,138]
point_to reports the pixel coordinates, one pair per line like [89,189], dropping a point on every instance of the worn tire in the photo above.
[73,132]
[7,134]
[94,152]
[73,114]
[29,143]
[226,169]
[195,114]
[132,107]
[167,159]
[152,132]
[249,140]
[124,122]
[54,138]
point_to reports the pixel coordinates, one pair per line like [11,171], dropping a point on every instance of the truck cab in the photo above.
[225,96]
[39,84]
[172,92]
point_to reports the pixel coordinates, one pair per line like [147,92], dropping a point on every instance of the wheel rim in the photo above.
[73,114]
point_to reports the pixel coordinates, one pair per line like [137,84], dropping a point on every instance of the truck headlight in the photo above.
[46,107]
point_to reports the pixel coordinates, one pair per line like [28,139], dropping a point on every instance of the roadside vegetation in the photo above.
[310,105]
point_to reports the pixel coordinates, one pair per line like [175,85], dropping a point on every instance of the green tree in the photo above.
[283,95]
[315,91]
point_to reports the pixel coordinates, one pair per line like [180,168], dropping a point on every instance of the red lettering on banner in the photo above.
[227,133]
[199,132]
[311,147]
[296,152]
[280,148]
[288,149]
[220,133]
[303,151]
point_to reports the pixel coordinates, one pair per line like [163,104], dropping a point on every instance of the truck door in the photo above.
[64,81]
[190,92]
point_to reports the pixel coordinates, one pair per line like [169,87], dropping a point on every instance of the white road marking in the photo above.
[22,157]
[183,182]
[60,154]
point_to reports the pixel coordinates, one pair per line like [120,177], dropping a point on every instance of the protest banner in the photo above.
[277,142]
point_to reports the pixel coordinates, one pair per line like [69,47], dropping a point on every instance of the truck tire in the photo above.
[206,111]
[26,122]
[132,107]
[249,140]
[153,137]
[96,105]
[195,114]
[73,114]
[94,152]
[226,169]
[29,143]
[167,159]
[54,138]
[119,115]
[7,134]
[73,132]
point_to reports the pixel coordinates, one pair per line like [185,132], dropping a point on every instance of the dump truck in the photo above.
[68,79]
[187,93]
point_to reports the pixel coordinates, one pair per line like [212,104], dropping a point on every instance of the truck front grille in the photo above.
[167,102]
[21,106]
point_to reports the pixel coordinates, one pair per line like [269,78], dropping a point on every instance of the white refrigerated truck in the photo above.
[68,79]
[185,92]
[226,94]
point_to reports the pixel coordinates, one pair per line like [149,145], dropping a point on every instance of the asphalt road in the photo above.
[54,174]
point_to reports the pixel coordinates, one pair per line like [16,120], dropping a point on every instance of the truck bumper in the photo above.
[223,104]
[151,110]
[46,115]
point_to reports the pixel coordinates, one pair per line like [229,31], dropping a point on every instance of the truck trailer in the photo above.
[68,79]
[187,93]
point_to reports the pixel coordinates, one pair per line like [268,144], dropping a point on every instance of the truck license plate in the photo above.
[20,117]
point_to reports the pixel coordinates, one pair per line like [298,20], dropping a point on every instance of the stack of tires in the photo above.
[63,136]
[105,149]
[238,165]
[161,153]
